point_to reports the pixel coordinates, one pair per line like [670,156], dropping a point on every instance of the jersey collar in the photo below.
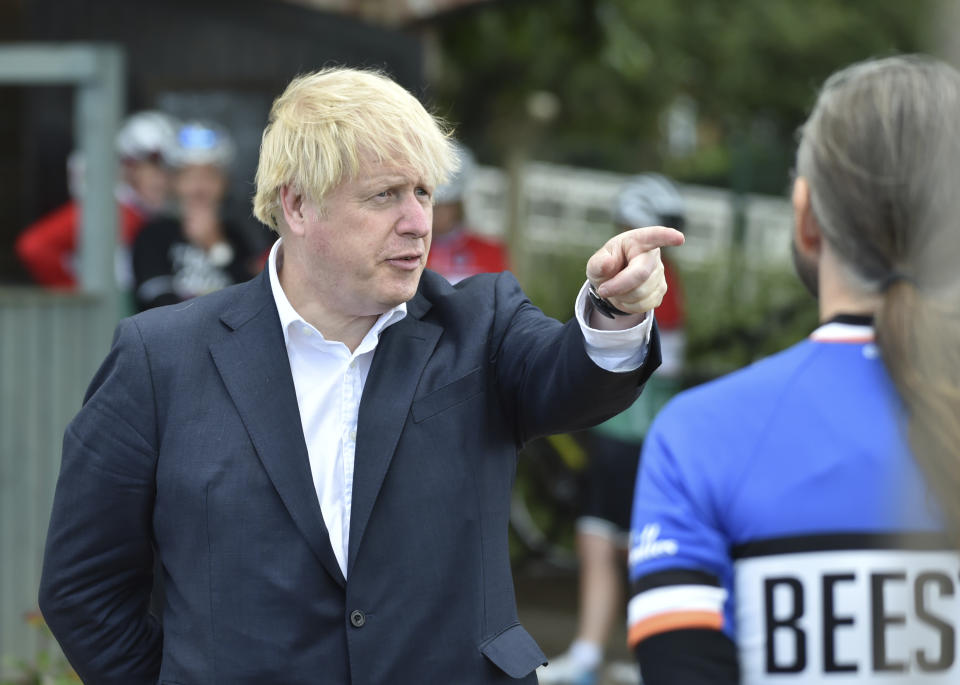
[846,328]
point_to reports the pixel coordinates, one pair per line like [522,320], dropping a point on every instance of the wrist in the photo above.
[602,306]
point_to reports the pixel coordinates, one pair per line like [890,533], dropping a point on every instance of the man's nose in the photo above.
[416,216]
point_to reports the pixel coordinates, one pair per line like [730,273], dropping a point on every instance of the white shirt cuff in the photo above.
[618,351]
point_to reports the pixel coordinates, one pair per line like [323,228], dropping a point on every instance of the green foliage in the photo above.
[552,281]
[738,314]
[615,65]
[48,666]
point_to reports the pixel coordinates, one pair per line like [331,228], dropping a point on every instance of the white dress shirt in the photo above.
[329,381]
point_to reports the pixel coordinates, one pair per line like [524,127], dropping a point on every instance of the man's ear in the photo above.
[292,204]
[807,235]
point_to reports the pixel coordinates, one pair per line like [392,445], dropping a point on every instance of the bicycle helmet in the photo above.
[203,142]
[649,200]
[148,135]
[453,190]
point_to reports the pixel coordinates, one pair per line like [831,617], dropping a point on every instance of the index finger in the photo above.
[649,238]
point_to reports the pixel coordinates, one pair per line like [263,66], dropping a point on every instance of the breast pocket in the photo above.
[448,396]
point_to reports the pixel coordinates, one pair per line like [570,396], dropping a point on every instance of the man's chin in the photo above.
[401,292]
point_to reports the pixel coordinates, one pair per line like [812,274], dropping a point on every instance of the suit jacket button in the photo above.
[357,619]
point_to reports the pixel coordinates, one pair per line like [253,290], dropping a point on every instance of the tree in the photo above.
[750,66]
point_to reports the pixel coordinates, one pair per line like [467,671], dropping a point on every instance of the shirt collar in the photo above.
[289,315]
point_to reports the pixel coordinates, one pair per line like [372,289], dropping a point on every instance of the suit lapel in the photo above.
[402,353]
[253,363]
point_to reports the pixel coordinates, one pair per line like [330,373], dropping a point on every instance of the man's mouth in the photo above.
[406,261]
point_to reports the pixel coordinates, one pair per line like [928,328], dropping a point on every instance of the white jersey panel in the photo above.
[849,617]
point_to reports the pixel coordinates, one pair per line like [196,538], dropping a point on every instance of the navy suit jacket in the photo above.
[189,449]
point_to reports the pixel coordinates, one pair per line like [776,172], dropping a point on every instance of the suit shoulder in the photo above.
[487,289]
[194,314]
[434,285]
[472,303]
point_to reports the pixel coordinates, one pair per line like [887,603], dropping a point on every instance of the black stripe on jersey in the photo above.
[836,542]
[853,319]
[673,576]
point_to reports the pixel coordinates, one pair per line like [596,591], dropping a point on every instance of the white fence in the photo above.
[566,208]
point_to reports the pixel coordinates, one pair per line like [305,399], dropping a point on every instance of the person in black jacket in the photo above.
[197,252]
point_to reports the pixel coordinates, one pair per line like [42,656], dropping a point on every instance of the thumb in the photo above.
[603,265]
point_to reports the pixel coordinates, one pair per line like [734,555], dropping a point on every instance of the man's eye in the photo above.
[423,192]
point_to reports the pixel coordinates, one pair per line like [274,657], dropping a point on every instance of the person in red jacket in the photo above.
[48,247]
[456,252]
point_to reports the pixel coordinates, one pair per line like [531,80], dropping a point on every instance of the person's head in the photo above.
[875,169]
[877,190]
[648,200]
[202,158]
[145,145]
[448,210]
[348,164]
[327,126]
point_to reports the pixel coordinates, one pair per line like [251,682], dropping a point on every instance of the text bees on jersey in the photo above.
[852,616]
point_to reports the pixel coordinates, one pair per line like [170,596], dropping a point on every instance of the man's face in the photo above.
[366,252]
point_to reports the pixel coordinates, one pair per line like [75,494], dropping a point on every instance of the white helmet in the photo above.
[203,142]
[146,135]
[649,200]
[455,187]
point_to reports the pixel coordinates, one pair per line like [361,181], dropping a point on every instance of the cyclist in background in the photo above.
[613,450]
[145,144]
[456,252]
[196,252]
[783,531]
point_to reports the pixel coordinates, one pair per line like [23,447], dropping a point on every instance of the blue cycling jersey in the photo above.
[781,505]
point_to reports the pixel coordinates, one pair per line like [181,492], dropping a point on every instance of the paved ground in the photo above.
[547,600]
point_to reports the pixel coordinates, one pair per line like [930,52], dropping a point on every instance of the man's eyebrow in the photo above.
[389,180]
[381,179]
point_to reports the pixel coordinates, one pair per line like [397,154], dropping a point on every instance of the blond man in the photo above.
[320,459]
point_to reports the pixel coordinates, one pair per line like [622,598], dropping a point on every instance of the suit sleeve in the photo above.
[680,568]
[97,571]
[546,379]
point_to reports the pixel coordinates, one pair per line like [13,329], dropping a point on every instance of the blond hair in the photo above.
[327,123]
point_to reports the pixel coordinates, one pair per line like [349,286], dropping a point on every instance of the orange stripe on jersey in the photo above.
[674,620]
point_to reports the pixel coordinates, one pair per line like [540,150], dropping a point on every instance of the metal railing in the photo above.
[50,344]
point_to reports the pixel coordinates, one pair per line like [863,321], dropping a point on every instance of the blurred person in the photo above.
[613,450]
[783,530]
[457,252]
[145,144]
[321,458]
[176,258]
